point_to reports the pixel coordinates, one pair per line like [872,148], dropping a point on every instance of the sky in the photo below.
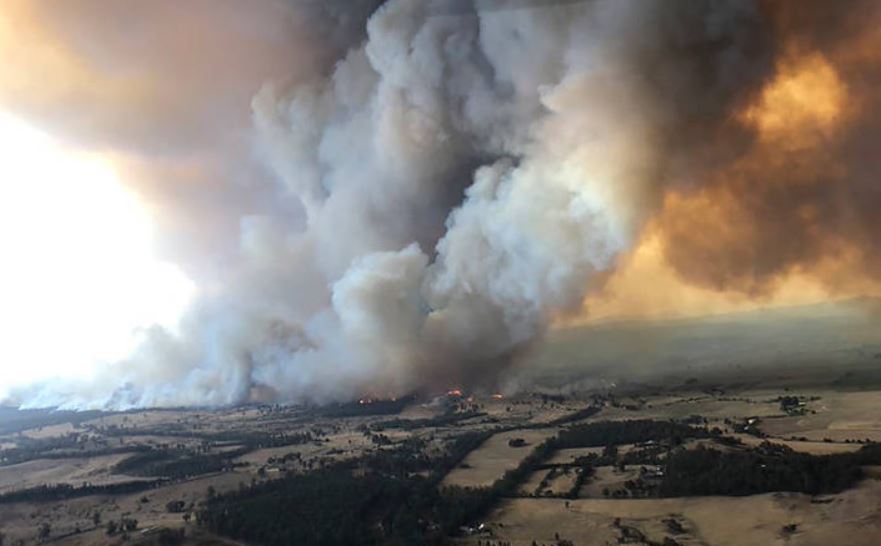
[211,202]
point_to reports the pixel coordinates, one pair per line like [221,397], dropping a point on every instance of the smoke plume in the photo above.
[443,179]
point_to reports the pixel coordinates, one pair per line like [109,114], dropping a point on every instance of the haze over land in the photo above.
[351,198]
[800,344]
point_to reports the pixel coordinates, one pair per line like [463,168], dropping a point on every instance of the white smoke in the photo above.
[463,174]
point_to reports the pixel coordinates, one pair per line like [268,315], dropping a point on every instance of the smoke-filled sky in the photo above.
[216,201]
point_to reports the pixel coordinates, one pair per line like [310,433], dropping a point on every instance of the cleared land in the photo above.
[608,480]
[94,470]
[722,521]
[229,450]
[486,464]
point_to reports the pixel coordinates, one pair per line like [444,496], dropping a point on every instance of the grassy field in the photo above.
[720,521]
[72,471]
[486,464]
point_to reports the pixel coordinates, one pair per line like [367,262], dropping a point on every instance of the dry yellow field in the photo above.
[18,520]
[50,431]
[852,518]
[559,482]
[491,460]
[741,405]
[814,448]
[74,471]
[840,415]
[609,478]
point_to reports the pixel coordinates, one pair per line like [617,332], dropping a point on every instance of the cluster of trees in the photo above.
[392,495]
[406,459]
[581,476]
[706,471]
[789,403]
[15,420]
[378,439]
[443,420]
[64,447]
[44,493]
[260,440]
[328,507]
[181,462]
[795,405]
[177,464]
[771,467]
[365,408]
[251,439]
[604,433]
[750,426]
[644,485]
[176,507]
[125,525]
[379,498]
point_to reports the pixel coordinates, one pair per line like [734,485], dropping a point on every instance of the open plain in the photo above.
[147,476]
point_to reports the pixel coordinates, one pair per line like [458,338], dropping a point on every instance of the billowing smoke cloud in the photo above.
[466,172]
[164,88]
[803,193]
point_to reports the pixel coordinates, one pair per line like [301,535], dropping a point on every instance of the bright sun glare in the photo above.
[78,280]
